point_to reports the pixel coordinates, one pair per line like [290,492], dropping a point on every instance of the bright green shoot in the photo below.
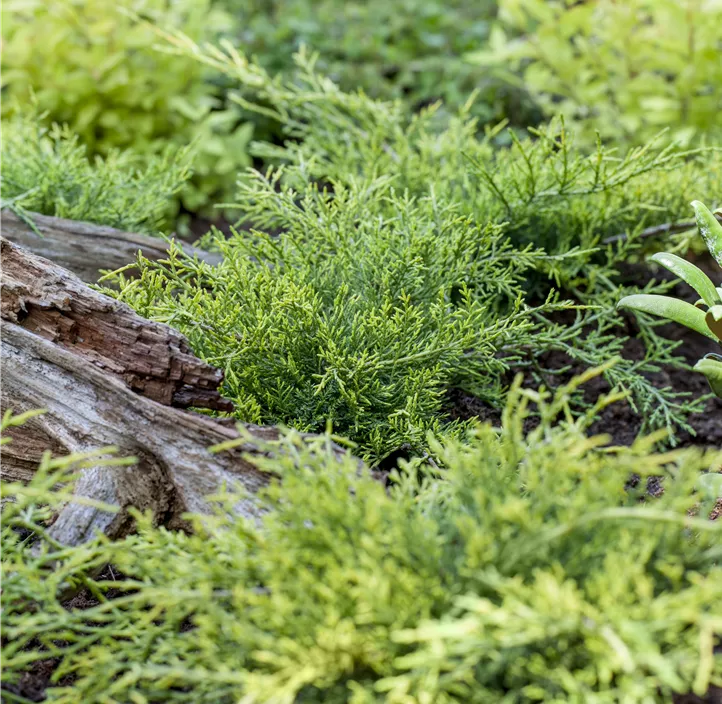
[705,317]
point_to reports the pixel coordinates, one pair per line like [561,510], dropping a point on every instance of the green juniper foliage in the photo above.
[522,571]
[46,170]
[368,307]
[547,190]
[363,313]
[404,254]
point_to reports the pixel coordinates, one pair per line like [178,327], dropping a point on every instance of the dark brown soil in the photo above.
[37,679]
[714,696]
[620,421]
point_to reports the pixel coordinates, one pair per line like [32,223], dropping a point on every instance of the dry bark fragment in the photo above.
[151,358]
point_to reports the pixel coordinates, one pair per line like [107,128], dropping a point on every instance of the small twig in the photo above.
[669,228]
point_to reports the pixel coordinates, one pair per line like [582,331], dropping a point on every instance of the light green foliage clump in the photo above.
[521,571]
[625,69]
[363,312]
[401,265]
[91,65]
[46,170]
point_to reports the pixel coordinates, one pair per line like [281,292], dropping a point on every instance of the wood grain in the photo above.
[85,248]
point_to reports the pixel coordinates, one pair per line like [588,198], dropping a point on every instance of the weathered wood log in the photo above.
[87,408]
[108,377]
[85,248]
[151,358]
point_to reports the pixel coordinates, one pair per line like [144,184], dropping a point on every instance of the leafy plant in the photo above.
[624,69]
[522,571]
[706,322]
[93,66]
[46,170]
[410,49]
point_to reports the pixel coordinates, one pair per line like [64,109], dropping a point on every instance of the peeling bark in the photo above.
[107,377]
[151,358]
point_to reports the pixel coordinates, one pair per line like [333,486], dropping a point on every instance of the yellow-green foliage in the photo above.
[627,69]
[46,170]
[406,251]
[521,571]
[363,313]
[93,67]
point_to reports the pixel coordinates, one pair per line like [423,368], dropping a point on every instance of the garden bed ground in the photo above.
[620,420]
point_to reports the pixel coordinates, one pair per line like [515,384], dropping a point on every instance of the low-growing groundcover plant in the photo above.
[707,322]
[387,259]
[45,169]
[522,570]
[93,65]
[362,313]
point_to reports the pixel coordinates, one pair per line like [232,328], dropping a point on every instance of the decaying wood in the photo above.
[85,248]
[108,377]
[86,409]
[151,358]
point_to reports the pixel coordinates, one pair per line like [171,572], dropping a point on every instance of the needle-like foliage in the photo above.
[46,170]
[521,571]
[389,259]
[367,308]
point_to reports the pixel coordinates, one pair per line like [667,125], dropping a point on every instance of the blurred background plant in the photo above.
[46,170]
[93,67]
[625,69]
[408,49]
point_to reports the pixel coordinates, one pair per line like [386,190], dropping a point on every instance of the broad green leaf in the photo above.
[690,274]
[670,308]
[710,229]
[711,367]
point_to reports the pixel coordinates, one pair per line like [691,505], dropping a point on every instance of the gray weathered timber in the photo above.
[85,248]
[107,377]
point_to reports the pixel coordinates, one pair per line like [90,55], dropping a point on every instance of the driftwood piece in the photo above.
[85,248]
[108,377]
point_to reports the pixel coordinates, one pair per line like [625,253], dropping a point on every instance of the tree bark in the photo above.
[107,377]
[85,248]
